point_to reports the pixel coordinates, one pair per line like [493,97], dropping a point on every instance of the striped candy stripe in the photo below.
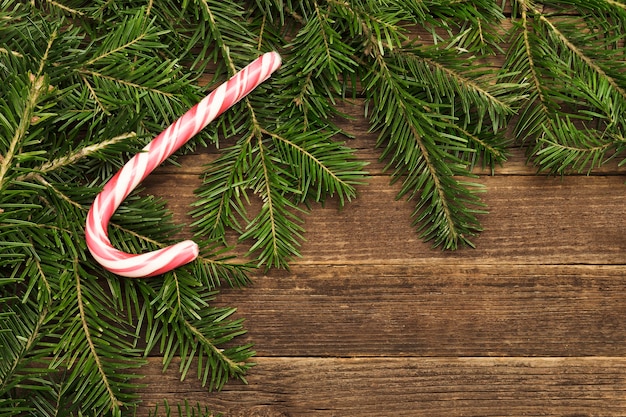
[137,169]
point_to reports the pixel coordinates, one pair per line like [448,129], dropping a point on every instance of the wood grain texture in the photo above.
[371,321]
[388,386]
[435,310]
[531,220]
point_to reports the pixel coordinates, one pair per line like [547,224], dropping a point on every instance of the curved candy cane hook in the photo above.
[142,164]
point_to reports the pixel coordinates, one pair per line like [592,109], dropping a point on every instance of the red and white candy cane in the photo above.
[137,169]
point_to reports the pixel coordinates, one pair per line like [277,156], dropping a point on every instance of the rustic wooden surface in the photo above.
[373,322]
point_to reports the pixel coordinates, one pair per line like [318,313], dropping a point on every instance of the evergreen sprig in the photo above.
[571,55]
[436,108]
[283,157]
[86,84]
[182,410]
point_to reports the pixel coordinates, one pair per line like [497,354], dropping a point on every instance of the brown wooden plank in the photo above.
[435,310]
[531,220]
[445,387]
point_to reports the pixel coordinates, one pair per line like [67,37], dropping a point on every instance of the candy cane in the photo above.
[137,169]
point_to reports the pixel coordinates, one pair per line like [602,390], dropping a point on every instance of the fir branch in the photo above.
[380,26]
[63,8]
[20,333]
[114,402]
[444,209]
[275,228]
[531,61]
[127,37]
[471,25]
[134,85]
[194,338]
[74,157]
[266,193]
[232,367]
[564,147]
[222,31]
[430,105]
[84,96]
[313,79]
[273,251]
[332,179]
[478,91]
[490,149]
[575,80]
[280,166]
[580,54]
[181,410]
[94,95]
[33,94]
[222,189]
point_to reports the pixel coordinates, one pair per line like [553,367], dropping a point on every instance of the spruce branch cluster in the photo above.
[86,84]
[571,54]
